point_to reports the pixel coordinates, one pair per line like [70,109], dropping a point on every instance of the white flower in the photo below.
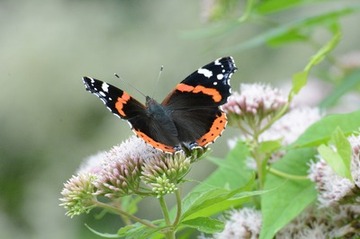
[287,129]
[292,125]
[330,186]
[244,223]
[92,164]
[355,158]
[255,99]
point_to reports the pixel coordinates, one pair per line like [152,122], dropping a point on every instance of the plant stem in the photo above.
[178,205]
[170,234]
[123,213]
[286,175]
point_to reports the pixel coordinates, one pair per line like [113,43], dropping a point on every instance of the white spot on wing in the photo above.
[220,76]
[215,83]
[205,72]
[217,61]
[105,87]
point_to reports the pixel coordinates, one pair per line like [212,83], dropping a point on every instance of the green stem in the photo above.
[248,10]
[178,211]
[123,213]
[275,118]
[286,175]
[169,234]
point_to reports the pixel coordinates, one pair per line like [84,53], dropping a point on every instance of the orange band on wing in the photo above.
[155,144]
[197,89]
[215,131]
[119,105]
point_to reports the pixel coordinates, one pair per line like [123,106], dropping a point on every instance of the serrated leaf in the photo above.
[205,224]
[139,231]
[321,131]
[286,198]
[209,202]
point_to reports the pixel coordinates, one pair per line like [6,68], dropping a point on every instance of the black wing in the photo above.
[194,103]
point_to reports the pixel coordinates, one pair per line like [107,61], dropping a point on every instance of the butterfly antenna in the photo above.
[158,79]
[117,76]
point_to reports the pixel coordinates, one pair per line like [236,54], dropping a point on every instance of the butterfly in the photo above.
[188,117]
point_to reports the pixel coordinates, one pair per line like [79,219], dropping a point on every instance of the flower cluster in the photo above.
[333,188]
[78,195]
[254,104]
[243,223]
[335,222]
[131,168]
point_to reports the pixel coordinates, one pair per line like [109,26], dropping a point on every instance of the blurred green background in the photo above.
[49,123]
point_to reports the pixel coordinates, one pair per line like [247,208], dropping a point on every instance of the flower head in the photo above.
[330,186]
[78,194]
[163,173]
[92,164]
[121,171]
[355,158]
[254,103]
[243,223]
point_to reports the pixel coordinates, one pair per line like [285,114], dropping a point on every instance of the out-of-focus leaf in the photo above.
[272,6]
[348,83]
[205,224]
[300,78]
[321,131]
[102,234]
[289,37]
[305,23]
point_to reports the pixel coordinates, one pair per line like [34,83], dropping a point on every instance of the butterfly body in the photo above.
[189,116]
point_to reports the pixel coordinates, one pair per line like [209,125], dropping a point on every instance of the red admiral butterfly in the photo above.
[188,117]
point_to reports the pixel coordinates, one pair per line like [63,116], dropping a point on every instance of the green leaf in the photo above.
[349,83]
[299,80]
[343,147]
[139,231]
[334,160]
[338,160]
[105,235]
[205,224]
[232,172]
[305,23]
[215,200]
[268,147]
[289,37]
[272,6]
[286,199]
[321,131]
